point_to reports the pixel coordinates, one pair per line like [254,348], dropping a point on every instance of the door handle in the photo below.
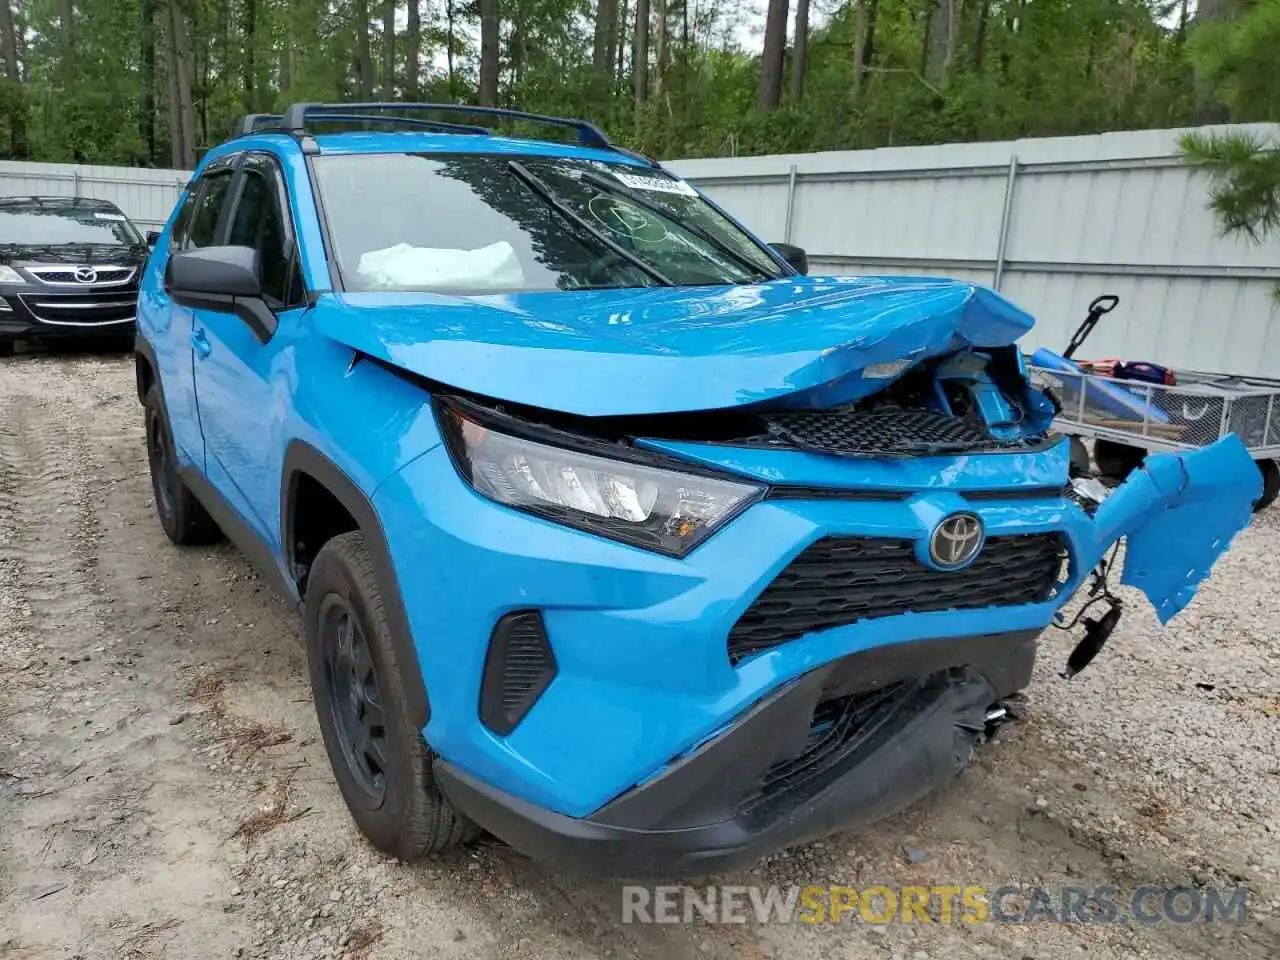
[201,344]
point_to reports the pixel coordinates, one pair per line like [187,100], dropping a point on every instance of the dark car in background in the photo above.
[69,267]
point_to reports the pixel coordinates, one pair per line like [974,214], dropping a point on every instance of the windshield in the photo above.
[57,223]
[479,223]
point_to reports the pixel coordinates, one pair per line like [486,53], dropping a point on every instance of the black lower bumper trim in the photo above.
[704,814]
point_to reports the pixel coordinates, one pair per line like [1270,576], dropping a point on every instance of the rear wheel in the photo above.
[184,519]
[381,762]
[1270,471]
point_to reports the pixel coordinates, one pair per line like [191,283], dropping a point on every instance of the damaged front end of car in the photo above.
[778,569]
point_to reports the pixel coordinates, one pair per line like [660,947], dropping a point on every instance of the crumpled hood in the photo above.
[665,350]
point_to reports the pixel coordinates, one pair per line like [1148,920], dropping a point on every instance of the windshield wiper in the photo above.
[699,231]
[538,186]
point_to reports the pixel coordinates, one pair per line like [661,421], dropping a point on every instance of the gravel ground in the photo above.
[163,790]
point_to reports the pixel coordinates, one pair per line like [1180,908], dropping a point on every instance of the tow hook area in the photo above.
[1097,630]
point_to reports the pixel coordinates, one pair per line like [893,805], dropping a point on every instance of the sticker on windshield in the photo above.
[657,184]
[109,216]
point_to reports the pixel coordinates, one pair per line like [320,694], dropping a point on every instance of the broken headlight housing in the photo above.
[668,511]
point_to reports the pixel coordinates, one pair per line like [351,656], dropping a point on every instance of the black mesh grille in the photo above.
[841,580]
[518,667]
[840,727]
[905,433]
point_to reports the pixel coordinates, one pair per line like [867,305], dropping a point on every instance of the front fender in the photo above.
[1178,513]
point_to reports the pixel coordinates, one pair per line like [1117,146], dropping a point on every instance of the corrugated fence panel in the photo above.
[147,196]
[1113,213]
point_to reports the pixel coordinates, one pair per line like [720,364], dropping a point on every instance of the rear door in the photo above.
[242,413]
[195,225]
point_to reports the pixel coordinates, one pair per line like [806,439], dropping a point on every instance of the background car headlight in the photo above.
[663,510]
[10,275]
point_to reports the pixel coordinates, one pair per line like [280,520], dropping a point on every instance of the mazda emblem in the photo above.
[86,274]
[956,540]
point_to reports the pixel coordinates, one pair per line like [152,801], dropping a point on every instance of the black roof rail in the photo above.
[268,122]
[294,119]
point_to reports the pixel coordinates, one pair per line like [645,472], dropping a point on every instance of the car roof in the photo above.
[57,203]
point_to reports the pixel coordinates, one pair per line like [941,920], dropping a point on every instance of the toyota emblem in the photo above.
[956,540]
[86,274]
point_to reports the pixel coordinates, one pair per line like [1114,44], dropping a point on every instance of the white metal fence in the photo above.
[1051,223]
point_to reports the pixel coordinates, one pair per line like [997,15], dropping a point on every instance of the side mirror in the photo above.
[793,255]
[225,279]
[153,237]
[219,272]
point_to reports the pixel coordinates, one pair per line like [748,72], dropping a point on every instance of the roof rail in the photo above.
[268,122]
[294,119]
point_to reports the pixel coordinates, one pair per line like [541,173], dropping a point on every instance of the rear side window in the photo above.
[204,221]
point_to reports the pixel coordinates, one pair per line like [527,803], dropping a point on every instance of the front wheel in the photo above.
[379,758]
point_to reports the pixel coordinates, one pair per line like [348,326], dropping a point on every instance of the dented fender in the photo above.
[1178,513]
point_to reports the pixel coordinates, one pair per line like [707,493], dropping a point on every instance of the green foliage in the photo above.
[98,93]
[1245,195]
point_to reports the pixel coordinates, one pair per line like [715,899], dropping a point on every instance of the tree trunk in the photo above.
[639,53]
[186,106]
[489,19]
[800,53]
[769,93]
[660,51]
[940,41]
[980,41]
[413,51]
[389,50]
[17,112]
[620,42]
[602,51]
[449,42]
[1208,107]
[364,60]
[249,64]
[865,50]
[171,60]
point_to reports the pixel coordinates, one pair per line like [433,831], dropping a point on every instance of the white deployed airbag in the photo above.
[406,266]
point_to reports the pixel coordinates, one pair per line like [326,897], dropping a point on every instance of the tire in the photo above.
[184,519]
[1081,466]
[1117,460]
[1270,470]
[383,769]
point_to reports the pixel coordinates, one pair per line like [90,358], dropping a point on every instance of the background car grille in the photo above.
[88,308]
[105,275]
[842,580]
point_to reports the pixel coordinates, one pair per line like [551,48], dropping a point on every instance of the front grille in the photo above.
[905,433]
[842,580]
[67,275]
[840,728]
[82,309]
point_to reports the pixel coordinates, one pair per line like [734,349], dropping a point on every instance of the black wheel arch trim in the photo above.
[300,458]
[143,351]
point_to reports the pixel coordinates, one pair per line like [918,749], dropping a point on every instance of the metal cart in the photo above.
[1126,419]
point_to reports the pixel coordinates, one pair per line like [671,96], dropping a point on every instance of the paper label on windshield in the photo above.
[656,184]
[109,216]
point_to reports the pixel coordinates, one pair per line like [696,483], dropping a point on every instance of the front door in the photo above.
[239,387]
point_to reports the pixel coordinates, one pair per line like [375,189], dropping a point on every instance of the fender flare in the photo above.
[301,458]
[143,351]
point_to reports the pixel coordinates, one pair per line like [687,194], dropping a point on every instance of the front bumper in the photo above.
[35,315]
[905,721]
[643,677]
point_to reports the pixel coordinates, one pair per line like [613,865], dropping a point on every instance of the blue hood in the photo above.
[671,349]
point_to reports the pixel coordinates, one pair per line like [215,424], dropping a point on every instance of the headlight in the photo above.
[662,510]
[10,275]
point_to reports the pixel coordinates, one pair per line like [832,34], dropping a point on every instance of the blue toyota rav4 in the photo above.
[614,533]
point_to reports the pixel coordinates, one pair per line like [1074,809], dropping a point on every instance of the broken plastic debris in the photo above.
[1091,488]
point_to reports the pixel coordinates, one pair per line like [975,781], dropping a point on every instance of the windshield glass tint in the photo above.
[38,225]
[473,223]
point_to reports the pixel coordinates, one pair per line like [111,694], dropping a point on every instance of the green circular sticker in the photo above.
[627,220]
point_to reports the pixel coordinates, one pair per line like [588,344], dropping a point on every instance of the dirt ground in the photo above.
[163,790]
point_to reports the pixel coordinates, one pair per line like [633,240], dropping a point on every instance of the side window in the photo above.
[259,223]
[178,235]
[204,220]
